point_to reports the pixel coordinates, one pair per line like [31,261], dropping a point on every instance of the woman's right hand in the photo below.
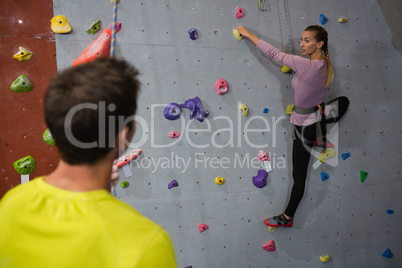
[243,31]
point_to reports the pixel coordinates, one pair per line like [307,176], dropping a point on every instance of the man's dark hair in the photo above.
[110,84]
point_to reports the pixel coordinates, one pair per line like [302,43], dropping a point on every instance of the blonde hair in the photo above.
[322,35]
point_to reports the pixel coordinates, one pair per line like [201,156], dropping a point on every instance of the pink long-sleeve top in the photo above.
[308,82]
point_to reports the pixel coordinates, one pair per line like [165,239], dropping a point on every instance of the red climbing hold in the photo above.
[202,227]
[270,246]
[100,47]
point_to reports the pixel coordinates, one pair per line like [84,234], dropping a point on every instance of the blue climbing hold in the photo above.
[390,211]
[265,111]
[323,19]
[345,155]
[387,253]
[324,176]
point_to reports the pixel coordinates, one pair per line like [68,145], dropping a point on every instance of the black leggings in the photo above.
[301,154]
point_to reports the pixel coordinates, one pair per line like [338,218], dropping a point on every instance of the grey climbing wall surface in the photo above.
[341,216]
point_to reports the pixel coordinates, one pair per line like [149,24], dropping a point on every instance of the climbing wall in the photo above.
[26,24]
[342,216]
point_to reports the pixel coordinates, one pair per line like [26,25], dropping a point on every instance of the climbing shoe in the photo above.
[326,144]
[279,221]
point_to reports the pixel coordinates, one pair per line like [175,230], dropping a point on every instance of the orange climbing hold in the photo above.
[100,47]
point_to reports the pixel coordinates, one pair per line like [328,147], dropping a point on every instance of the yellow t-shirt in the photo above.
[45,226]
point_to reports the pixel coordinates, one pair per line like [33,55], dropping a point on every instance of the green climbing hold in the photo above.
[21,84]
[94,26]
[124,184]
[363,175]
[48,138]
[25,165]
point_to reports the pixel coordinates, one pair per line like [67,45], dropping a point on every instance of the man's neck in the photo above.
[82,178]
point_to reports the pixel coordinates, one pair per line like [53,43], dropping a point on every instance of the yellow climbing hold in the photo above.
[272,229]
[326,154]
[324,258]
[343,20]
[219,180]
[286,69]
[118,1]
[237,34]
[244,109]
[23,54]
[60,24]
[289,109]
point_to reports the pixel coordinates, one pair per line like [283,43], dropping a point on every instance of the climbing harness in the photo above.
[321,126]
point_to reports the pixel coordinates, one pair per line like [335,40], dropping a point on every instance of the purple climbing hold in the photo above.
[193,33]
[172,111]
[172,184]
[197,111]
[261,179]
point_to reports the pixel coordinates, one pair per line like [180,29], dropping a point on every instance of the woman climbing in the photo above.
[310,115]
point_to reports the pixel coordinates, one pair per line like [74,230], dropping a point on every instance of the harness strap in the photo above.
[321,127]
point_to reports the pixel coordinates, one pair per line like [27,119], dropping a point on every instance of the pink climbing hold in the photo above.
[270,246]
[174,134]
[118,26]
[239,12]
[202,227]
[221,86]
[263,156]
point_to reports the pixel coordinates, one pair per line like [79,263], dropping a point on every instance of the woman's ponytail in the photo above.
[330,72]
